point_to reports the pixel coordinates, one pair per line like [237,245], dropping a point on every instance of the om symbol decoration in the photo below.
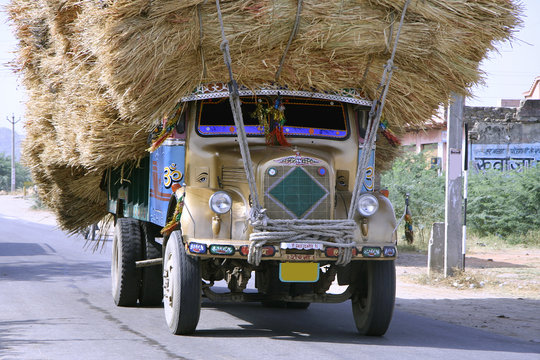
[368,182]
[171,175]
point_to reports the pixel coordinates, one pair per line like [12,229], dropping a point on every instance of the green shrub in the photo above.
[502,204]
[411,175]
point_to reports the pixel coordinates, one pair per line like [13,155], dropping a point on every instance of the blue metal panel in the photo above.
[167,166]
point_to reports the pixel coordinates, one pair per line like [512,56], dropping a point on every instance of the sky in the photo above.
[509,73]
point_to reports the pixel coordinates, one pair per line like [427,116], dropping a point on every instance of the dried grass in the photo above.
[100,73]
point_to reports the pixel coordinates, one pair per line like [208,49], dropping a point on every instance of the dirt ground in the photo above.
[498,292]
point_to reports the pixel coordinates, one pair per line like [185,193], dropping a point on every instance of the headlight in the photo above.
[367,204]
[220,202]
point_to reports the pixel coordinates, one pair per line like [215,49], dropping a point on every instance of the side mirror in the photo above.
[181,125]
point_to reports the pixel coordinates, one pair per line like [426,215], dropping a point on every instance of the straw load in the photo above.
[101,73]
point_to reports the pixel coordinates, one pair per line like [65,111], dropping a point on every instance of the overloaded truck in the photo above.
[270,176]
[195,212]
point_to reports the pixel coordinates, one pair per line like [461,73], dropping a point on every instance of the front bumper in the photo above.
[298,252]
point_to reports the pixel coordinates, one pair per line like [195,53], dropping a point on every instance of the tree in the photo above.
[22,174]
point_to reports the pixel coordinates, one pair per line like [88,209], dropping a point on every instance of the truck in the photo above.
[196,213]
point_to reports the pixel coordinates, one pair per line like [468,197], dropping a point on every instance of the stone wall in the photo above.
[504,138]
[501,125]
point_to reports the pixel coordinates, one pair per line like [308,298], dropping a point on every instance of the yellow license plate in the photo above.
[299,272]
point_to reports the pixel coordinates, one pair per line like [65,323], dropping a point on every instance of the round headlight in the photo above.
[220,202]
[367,204]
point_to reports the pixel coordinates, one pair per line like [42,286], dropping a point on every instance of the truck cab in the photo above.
[185,215]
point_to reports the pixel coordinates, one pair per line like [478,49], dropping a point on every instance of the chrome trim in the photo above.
[221,90]
[174,142]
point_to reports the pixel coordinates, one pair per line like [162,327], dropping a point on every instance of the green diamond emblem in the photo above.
[298,192]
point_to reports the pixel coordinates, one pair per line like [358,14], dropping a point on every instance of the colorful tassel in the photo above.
[388,134]
[273,129]
[261,114]
[277,137]
[175,221]
[170,123]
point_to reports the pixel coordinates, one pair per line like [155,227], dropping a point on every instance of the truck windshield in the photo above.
[303,117]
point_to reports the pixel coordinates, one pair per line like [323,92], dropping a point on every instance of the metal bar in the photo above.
[465,185]
[256,297]
[150,262]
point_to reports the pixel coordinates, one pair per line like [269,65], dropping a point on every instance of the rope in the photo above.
[338,233]
[374,120]
[343,233]
[293,34]
[236,107]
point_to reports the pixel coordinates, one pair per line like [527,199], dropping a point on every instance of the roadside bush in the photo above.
[504,203]
[411,175]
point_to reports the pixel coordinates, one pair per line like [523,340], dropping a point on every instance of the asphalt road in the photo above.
[55,303]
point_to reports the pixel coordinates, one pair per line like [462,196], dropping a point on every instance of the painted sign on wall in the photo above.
[505,156]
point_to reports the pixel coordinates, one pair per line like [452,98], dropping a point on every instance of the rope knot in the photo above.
[224,46]
[258,218]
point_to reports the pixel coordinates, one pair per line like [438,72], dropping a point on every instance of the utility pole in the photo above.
[12,122]
[453,216]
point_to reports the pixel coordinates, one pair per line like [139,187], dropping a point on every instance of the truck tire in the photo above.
[126,250]
[374,296]
[152,276]
[181,287]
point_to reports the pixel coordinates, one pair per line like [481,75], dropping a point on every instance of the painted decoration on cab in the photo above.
[164,157]
[171,176]
[368,182]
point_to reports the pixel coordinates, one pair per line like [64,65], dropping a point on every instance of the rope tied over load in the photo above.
[337,233]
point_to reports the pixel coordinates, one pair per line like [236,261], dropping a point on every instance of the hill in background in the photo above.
[5,143]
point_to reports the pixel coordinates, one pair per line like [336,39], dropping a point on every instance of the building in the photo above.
[534,91]
[506,137]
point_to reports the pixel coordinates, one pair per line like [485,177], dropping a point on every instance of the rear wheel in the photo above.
[152,276]
[181,287]
[126,250]
[374,296]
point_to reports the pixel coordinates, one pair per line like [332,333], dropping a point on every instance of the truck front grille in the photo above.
[296,192]
[232,176]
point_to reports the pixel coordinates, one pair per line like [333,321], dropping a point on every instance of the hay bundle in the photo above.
[100,73]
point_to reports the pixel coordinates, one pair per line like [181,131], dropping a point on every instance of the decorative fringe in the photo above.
[175,221]
[273,130]
[261,114]
[277,137]
[388,134]
[170,123]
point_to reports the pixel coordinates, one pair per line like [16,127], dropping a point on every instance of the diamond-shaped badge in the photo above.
[298,192]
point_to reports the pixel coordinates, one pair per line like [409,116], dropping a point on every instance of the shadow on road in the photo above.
[333,323]
[22,249]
